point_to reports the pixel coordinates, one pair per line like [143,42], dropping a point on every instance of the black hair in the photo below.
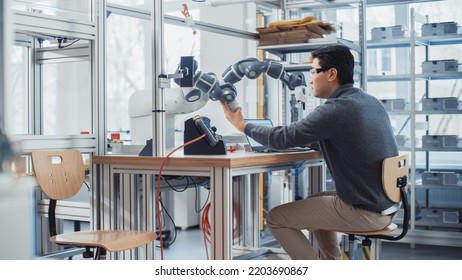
[338,57]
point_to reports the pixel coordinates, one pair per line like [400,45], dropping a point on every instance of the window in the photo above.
[130,67]
[17,99]
[67,98]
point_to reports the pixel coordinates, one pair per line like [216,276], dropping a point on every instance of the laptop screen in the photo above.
[263,122]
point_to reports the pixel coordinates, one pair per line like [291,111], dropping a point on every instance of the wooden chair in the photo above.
[394,183]
[60,175]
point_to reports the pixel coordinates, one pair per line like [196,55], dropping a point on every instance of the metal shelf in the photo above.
[433,237]
[420,223]
[402,42]
[449,39]
[439,187]
[420,149]
[389,78]
[446,149]
[439,112]
[309,46]
[399,112]
[407,77]
[436,224]
[426,112]
[440,76]
[336,4]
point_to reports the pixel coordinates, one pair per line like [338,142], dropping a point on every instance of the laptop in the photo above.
[260,148]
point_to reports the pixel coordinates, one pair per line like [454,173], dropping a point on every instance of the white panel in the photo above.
[16,217]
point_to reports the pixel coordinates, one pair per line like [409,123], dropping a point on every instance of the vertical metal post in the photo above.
[5,29]
[98,76]
[36,91]
[412,119]
[285,119]
[362,43]
[158,112]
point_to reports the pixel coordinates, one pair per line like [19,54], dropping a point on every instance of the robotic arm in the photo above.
[204,84]
[208,83]
[251,68]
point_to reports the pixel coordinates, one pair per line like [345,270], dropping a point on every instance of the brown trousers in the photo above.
[322,214]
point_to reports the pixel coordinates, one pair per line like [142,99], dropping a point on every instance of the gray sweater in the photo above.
[354,133]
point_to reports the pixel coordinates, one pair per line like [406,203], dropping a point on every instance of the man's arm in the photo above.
[235,118]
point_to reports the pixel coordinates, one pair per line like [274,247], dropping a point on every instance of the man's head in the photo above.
[332,67]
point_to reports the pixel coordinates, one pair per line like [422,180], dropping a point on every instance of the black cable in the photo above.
[173,222]
[173,188]
[68,45]
[204,183]
[197,201]
[197,206]
[88,187]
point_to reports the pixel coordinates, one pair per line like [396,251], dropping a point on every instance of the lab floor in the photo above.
[189,245]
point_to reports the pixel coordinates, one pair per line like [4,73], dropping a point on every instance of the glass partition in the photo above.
[67,98]
[17,113]
[129,67]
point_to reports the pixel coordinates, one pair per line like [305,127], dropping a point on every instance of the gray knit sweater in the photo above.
[354,133]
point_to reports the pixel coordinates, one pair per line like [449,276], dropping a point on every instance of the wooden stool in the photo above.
[394,183]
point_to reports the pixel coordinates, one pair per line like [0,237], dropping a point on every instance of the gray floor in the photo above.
[189,245]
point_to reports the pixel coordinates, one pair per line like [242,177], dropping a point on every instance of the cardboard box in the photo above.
[274,36]
[293,33]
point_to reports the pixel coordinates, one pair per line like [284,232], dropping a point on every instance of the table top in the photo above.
[230,160]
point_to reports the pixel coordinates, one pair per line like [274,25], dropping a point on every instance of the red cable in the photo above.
[206,227]
[159,222]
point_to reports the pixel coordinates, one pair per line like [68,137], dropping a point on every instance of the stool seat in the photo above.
[390,228]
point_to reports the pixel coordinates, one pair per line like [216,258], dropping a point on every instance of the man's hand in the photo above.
[235,118]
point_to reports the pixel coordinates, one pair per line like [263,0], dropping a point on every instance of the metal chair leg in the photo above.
[100,254]
[351,246]
[366,250]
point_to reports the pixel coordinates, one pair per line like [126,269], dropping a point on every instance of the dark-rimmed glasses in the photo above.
[315,71]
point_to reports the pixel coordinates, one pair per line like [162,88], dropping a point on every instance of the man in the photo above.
[354,134]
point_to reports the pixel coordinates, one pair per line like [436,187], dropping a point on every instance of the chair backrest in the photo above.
[394,172]
[60,174]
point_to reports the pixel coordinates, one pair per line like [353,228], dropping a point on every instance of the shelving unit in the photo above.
[436,208]
[440,205]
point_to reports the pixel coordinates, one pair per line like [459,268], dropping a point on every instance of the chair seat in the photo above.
[110,240]
[391,227]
